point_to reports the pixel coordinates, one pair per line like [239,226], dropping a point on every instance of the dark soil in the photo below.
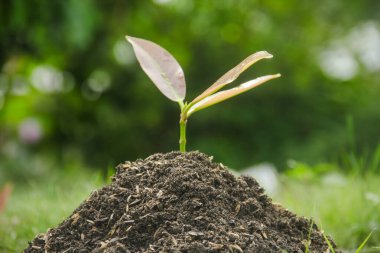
[180,202]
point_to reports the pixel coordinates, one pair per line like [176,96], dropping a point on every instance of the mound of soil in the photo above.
[180,202]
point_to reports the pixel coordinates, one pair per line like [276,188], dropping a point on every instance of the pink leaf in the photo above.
[161,67]
[233,73]
[226,94]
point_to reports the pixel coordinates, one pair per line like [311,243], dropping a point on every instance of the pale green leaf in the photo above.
[234,73]
[226,94]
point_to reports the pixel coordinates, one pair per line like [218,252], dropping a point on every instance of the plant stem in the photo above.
[182,135]
[182,125]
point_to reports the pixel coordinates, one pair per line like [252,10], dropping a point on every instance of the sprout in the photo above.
[166,73]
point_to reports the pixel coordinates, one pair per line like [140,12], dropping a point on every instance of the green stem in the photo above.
[182,135]
[182,127]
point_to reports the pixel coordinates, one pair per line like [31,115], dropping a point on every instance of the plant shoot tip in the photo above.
[167,75]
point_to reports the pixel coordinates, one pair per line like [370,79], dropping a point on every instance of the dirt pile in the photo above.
[180,202]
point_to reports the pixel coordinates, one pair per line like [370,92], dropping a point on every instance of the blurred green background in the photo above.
[73,97]
[71,89]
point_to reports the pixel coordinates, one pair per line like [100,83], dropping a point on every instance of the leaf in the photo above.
[363,243]
[234,73]
[161,67]
[226,94]
[328,243]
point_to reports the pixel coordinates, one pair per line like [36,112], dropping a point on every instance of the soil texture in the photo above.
[180,202]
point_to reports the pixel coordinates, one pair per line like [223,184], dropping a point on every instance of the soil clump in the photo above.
[180,202]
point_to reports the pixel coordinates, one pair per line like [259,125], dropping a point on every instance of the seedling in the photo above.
[166,73]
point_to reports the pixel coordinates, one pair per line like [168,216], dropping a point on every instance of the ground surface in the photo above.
[180,203]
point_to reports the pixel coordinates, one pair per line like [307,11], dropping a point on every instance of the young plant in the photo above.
[166,73]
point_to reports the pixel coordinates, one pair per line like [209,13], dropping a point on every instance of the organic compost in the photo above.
[180,202]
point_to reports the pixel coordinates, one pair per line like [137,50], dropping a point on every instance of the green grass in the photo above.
[35,207]
[349,209]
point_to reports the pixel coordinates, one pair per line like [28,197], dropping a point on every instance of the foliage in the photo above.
[70,92]
[166,73]
[62,192]
[329,200]
[363,243]
[66,67]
